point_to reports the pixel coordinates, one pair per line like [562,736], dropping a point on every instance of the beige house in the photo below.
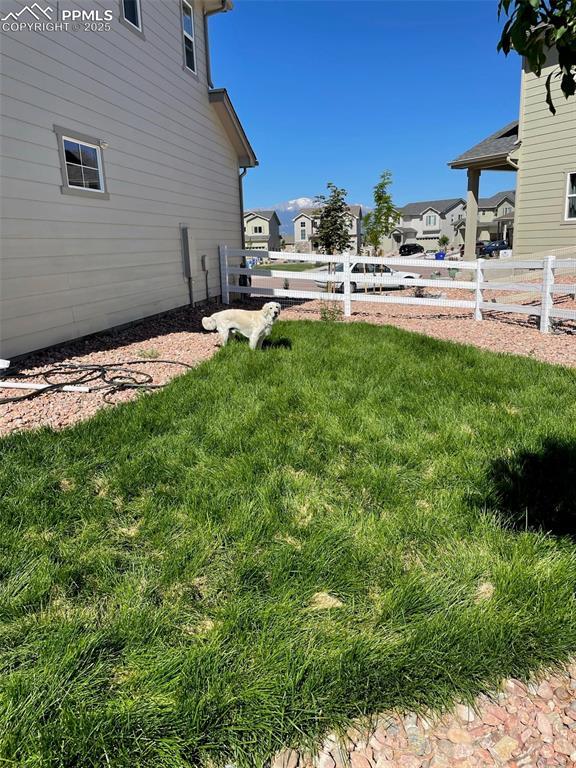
[541,147]
[495,219]
[306,229]
[287,243]
[120,168]
[424,222]
[262,230]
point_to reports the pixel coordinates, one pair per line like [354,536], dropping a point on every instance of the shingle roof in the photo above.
[499,144]
[355,210]
[264,214]
[495,200]
[417,209]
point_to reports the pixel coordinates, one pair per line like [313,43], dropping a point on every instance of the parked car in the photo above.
[323,278]
[494,247]
[408,249]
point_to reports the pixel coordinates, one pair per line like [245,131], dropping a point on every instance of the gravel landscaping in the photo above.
[178,336]
[522,726]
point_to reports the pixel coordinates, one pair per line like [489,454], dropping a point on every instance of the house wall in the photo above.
[70,265]
[547,154]
[274,229]
[256,221]
[444,226]
[302,244]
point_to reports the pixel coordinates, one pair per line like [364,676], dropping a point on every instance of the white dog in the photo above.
[256,326]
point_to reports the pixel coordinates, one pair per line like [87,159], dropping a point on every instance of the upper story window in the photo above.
[257,230]
[83,165]
[571,197]
[303,235]
[507,209]
[131,13]
[431,220]
[189,39]
[303,225]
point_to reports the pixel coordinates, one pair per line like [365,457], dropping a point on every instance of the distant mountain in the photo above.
[288,210]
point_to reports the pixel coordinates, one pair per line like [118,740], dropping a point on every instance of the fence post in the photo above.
[223,250]
[479,281]
[547,301]
[347,302]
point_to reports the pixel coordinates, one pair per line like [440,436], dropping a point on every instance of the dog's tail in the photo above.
[208,323]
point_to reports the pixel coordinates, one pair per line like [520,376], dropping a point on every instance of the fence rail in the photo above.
[336,285]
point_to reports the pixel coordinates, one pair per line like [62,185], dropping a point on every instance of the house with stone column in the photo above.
[541,148]
[495,219]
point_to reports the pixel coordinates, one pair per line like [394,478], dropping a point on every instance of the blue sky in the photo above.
[340,90]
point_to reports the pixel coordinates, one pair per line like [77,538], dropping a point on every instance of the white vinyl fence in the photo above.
[512,277]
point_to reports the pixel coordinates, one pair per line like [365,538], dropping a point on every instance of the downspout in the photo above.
[222,9]
[241,194]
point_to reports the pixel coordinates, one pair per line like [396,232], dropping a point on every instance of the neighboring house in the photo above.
[262,230]
[287,243]
[542,148]
[423,223]
[495,219]
[120,172]
[306,229]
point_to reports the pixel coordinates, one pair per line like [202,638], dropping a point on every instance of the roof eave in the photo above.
[220,100]
[499,162]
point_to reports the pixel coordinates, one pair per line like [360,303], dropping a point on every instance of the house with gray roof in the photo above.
[540,147]
[262,230]
[306,229]
[495,219]
[424,222]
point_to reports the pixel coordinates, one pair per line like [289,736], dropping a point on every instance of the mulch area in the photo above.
[521,726]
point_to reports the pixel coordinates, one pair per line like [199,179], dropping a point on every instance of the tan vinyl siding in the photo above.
[69,265]
[548,153]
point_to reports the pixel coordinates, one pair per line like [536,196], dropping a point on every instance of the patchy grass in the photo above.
[277,543]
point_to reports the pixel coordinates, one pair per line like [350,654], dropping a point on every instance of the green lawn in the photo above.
[161,563]
[294,267]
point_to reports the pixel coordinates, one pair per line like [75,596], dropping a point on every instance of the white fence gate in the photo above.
[338,282]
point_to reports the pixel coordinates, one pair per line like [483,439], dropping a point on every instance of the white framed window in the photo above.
[303,235]
[83,164]
[131,13]
[257,230]
[189,37]
[571,196]
[431,220]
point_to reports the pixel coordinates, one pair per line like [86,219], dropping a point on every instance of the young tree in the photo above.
[443,241]
[536,26]
[380,222]
[333,233]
